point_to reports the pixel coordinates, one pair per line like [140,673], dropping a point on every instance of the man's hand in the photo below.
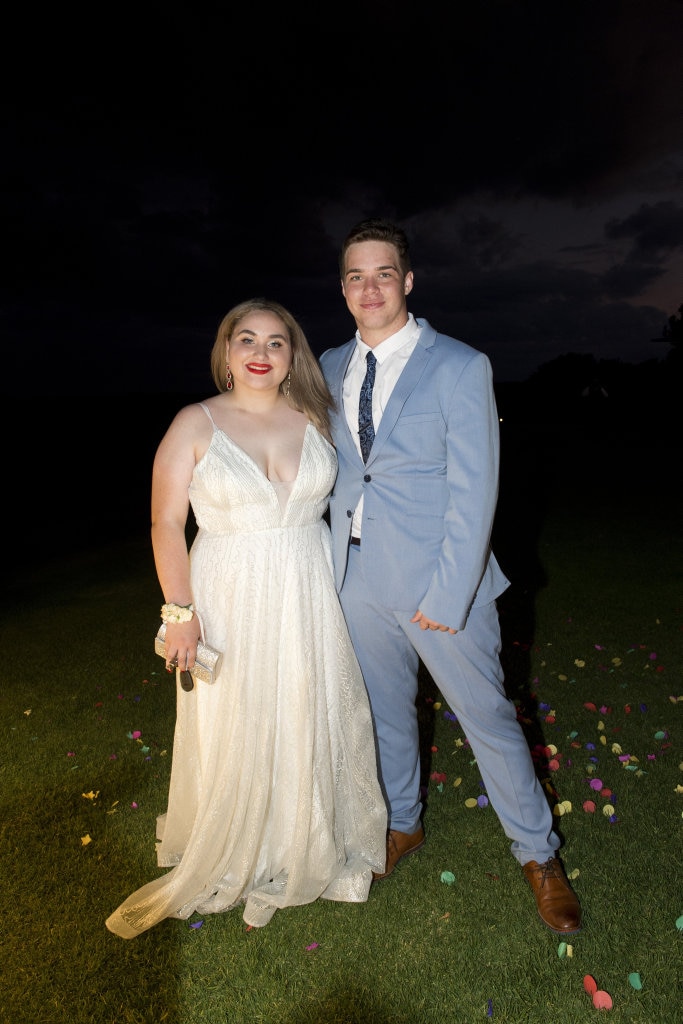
[425,623]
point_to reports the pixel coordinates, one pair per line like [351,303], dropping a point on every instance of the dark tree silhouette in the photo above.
[673,332]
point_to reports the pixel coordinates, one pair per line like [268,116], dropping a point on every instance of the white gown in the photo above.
[274,799]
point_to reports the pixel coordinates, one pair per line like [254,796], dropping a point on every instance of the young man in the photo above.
[412,511]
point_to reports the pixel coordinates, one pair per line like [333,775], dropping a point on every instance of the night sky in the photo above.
[164,162]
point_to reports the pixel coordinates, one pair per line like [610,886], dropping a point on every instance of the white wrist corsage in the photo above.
[177,612]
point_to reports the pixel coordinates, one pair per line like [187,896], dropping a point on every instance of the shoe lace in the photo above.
[550,869]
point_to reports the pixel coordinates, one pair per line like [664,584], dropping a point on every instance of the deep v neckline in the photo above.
[254,463]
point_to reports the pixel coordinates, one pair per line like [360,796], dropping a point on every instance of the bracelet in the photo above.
[177,612]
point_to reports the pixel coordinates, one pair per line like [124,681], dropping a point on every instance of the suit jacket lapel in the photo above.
[344,438]
[404,387]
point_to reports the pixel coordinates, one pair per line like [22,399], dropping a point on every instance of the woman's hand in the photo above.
[181,644]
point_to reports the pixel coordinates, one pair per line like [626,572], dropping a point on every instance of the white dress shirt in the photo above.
[392,354]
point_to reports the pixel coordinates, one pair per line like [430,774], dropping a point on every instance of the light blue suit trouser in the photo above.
[466,668]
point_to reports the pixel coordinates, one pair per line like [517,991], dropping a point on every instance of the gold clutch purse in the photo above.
[207,663]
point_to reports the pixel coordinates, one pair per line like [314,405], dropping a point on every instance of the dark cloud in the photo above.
[168,160]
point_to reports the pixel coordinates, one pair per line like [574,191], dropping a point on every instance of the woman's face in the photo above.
[260,352]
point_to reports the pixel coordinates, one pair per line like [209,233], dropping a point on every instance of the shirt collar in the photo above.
[391,344]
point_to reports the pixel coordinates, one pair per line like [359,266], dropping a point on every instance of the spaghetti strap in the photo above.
[206,410]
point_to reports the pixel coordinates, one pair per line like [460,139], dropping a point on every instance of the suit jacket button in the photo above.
[349,514]
[367,478]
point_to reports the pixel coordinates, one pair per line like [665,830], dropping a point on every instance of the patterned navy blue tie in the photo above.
[366,429]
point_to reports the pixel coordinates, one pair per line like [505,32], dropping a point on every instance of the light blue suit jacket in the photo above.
[430,485]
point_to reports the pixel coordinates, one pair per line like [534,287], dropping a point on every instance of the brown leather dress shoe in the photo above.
[399,845]
[557,905]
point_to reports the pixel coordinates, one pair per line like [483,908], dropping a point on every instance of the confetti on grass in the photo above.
[601,1000]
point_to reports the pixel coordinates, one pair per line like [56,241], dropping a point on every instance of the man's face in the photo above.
[375,290]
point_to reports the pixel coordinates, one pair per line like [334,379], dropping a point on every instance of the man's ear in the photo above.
[408,283]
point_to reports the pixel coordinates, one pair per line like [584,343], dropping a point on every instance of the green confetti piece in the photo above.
[634,980]
[447,877]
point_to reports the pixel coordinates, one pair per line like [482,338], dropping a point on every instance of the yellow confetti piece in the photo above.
[616,662]
[457,782]
[552,749]
[437,705]
[579,663]
[603,740]
[459,742]
[85,840]
[570,950]
[574,873]
[27,712]
[564,807]
[562,678]
[470,802]
[601,726]
[616,748]
[608,810]
[678,789]
[91,795]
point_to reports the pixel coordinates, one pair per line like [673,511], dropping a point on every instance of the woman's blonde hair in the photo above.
[308,390]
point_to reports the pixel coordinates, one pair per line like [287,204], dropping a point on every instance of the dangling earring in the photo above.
[286,384]
[228,379]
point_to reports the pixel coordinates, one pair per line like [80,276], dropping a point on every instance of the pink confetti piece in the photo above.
[313,945]
[602,1000]
[595,783]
